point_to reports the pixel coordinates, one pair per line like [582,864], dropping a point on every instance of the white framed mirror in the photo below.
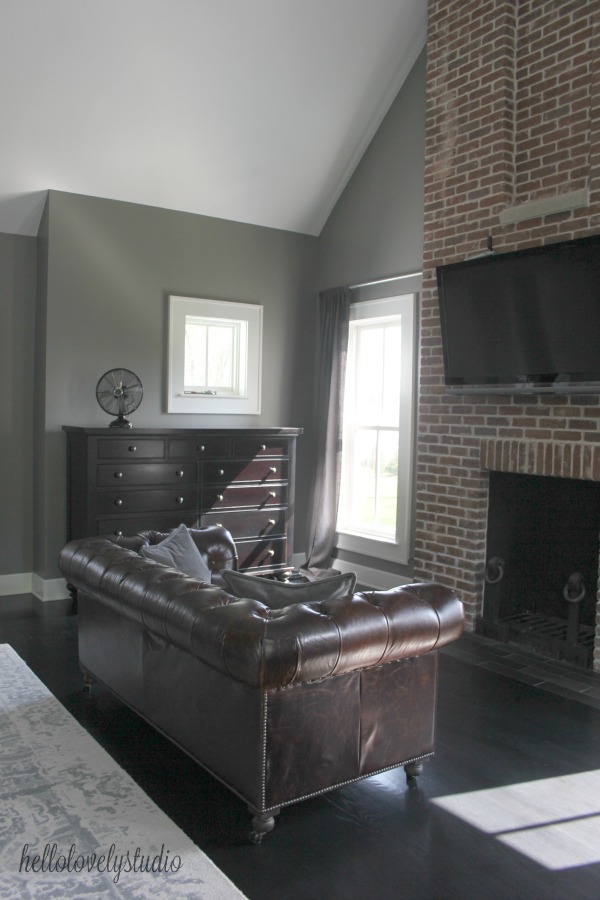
[215,356]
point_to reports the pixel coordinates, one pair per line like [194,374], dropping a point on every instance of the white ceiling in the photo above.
[251,110]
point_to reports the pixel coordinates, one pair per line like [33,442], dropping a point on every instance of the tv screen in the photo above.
[526,320]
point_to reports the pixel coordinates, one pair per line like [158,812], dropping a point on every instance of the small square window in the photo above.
[214,356]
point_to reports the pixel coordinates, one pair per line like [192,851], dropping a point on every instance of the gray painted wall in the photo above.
[111,267]
[104,270]
[376,227]
[17,306]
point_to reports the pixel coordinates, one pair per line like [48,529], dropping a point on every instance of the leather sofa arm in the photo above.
[214,542]
[253,644]
[310,641]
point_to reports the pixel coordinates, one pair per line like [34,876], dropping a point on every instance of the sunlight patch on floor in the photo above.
[554,821]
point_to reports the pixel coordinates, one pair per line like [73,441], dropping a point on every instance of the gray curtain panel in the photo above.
[332,348]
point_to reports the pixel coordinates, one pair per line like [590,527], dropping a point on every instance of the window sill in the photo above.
[375,549]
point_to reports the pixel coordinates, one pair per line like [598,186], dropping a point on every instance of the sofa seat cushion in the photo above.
[279,594]
[179,551]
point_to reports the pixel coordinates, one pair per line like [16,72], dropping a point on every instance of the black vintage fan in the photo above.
[119,392]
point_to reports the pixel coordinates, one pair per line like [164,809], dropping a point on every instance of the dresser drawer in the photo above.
[261,470]
[145,501]
[249,448]
[146,473]
[270,553]
[249,523]
[199,448]
[131,448]
[135,524]
[255,496]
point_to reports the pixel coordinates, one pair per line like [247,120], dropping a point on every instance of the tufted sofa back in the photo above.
[248,641]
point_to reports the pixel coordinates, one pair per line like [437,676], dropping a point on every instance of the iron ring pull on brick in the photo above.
[494,570]
[574,589]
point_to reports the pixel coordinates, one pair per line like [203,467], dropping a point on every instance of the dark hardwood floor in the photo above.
[464,832]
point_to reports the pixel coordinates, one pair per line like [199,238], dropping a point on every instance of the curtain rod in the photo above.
[353,287]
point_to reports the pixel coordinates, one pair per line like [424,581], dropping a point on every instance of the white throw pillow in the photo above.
[278,594]
[179,551]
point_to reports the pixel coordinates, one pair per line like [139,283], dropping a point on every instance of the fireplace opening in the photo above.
[541,577]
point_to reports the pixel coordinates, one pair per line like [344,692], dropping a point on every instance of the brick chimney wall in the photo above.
[512,151]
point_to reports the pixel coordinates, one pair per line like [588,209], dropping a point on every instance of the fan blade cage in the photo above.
[119,391]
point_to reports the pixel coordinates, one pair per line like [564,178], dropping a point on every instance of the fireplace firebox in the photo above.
[541,576]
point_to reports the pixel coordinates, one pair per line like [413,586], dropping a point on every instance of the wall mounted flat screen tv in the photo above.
[525,321]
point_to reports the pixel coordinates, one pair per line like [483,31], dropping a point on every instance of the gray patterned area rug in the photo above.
[72,822]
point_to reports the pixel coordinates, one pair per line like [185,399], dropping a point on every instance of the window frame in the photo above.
[402,301]
[218,310]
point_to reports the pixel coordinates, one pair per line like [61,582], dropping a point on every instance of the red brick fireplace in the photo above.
[512,151]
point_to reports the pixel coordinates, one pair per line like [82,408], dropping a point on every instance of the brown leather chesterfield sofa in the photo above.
[279,704]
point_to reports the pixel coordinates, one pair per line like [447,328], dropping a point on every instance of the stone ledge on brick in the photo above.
[559,460]
[544,206]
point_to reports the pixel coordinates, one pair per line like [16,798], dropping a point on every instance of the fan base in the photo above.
[121,422]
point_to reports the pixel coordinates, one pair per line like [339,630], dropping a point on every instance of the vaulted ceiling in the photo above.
[256,111]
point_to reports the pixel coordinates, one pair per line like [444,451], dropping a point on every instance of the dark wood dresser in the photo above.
[126,481]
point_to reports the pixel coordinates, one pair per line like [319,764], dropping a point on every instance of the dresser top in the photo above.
[178,432]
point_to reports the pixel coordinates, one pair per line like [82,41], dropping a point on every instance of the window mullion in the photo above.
[377,462]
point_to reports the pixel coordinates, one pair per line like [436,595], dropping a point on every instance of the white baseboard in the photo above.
[15,584]
[30,583]
[298,560]
[367,577]
[49,589]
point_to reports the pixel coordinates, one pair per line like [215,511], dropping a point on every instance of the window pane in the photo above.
[364,479]
[195,354]
[212,355]
[390,399]
[369,374]
[372,485]
[387,482]
[221,351]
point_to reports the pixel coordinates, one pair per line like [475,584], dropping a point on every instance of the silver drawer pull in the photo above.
[179,500]
[262,446]
[179,474]
[118,533]
[221,472]
[273,469]
[220,497]
[118,503]
[272,494]
[270,553]
[270,521]
[219,524]
[201,448]
[132,448]
[118,474]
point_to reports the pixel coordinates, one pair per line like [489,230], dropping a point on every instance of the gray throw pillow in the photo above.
[278,594]
[179,551]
